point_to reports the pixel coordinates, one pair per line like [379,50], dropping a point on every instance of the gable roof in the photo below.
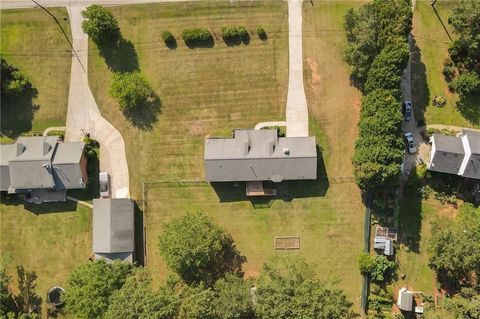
[37,162]
[448,154]
[113,225]
[473,138]
[260,155]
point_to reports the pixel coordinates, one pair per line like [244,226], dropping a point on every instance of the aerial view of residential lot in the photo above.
[240,159]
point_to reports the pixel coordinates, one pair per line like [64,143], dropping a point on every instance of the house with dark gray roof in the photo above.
[42,168]
[260,155]
[458,155]
[113,229]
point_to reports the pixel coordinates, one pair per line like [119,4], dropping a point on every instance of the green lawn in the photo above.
[431,49]
[204,91]
[50,239]
[210,91]
[33,42]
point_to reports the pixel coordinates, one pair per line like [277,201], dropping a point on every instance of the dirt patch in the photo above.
[235,116]
[315,76]
[251,273]
[449,211]
[196,128]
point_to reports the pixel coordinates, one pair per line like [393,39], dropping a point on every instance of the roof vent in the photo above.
[286,151]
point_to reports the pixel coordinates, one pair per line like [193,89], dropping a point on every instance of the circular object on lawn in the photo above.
[54,295]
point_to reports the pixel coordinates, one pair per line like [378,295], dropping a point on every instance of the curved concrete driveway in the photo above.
[297,110]
[259,126]
[83,115]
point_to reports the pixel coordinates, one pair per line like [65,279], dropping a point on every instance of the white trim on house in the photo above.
[432,153]
[468,154]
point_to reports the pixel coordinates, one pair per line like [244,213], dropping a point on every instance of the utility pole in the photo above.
[433,3]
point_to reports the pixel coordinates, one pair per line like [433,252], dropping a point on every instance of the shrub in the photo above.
[167,37]
[242,32]
[196,35]
[229,32]
[376,267]
[448,72]
[467,83]
[131,90]
[261,33]
[366,263]
[100,24]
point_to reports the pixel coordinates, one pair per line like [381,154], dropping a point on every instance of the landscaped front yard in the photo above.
[34,43]
[431,37]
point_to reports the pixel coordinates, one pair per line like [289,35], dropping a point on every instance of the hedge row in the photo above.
[191,36]
[379,56]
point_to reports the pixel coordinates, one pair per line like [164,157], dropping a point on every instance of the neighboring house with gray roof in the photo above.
[113,229]
[458,155]
[42,168]
[260,155]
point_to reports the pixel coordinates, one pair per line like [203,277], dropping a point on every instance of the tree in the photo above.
[6,297]
[288,288]
[136,300]
[131,90]
[372,27]
[27,301]
[387,68]
[198,303]
[13,82]
[467,83]
[198,250]
[450,241]
[233,298]
[90,286]
[100,24]
[465,305]
[465,50]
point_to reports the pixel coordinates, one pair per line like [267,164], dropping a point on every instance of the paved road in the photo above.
[19,4]
[297,110]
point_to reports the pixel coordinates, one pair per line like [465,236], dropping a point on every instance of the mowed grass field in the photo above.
[204,91]
[50,239]
[210,91]
[431,35]
[35,44]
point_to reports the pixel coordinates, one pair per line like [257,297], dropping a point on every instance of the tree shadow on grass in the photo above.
[469,107]
[145,115]
[200,44]
[120,55]
[17,112]
[421,92]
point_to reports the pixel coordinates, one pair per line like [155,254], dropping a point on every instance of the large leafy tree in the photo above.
[13,82]
[233,298]
[137,300]
[91,285]
[454,247]
[288,288]
[379,148]
[100,24]
[131,90]
[198,250]
[372,27]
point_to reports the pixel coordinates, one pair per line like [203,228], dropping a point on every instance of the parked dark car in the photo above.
[407,110]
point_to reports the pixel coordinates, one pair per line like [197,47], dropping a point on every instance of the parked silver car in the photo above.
[104,184]
[411,147]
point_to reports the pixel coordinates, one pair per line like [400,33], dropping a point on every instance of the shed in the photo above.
[405,299]
[113,229]
[384,244]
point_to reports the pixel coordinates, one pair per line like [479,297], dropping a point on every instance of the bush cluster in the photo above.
[378,53]
[377,267]
[261,33]
[232,33]
[196,35]
[167,37]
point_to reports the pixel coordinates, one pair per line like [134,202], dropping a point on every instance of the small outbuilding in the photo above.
[405,299]
[113,229]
